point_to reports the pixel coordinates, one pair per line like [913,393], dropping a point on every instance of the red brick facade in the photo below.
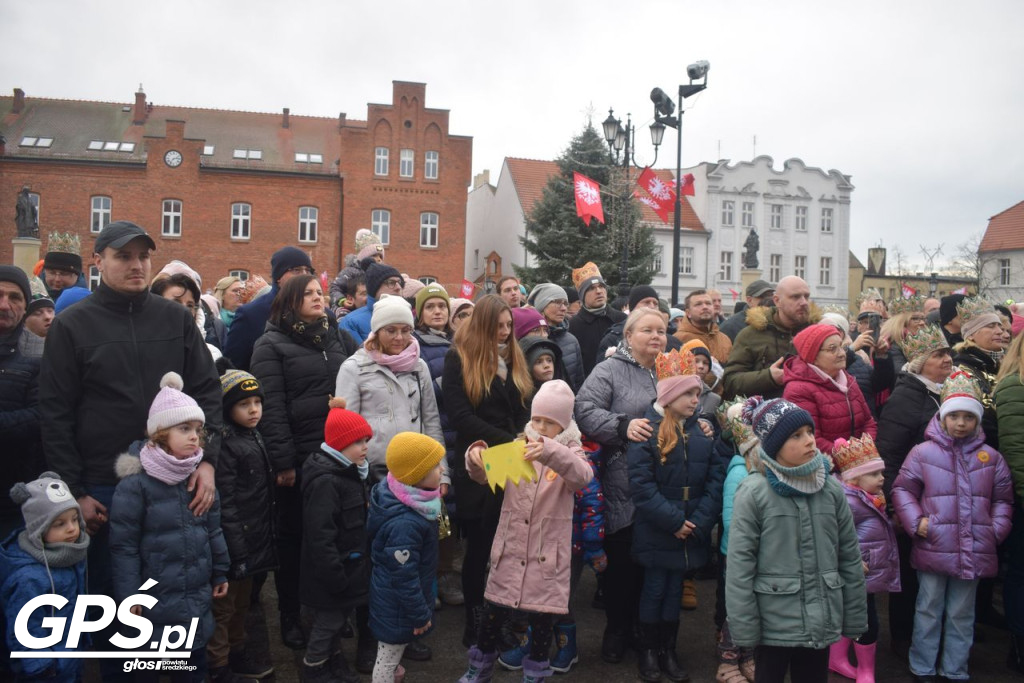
[341,187]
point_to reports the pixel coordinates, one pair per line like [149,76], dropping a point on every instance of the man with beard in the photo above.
[595,316]
[699,323]
[755,363]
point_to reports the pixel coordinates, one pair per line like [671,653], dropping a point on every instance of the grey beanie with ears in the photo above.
[43,501]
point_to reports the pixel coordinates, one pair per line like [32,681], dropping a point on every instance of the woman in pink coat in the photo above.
[817,381]
[532,549]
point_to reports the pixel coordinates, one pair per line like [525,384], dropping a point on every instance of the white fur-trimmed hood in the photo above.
[126,465]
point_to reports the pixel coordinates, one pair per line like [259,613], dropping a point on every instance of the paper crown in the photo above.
[37,288]
[366,238]
[911,304]
[65,242]
[251,287]
[730,418]
[854,453]
[674,364]
[837,309]
[923,342]
[584,272]
[973,307]
[960,384]
[870,294]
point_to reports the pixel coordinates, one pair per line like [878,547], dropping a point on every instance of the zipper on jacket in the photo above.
[135,346]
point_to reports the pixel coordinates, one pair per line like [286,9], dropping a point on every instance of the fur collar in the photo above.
[126,465]
[569,436]
[760,317]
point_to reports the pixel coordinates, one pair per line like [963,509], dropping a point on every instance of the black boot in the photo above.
[667,660]
[291,632]
[366,653]
[647,655]
[1015,660]
[469,633]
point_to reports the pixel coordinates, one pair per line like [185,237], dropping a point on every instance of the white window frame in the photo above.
[725,263]
[685,260]
[242,275]
[659,259]
[170,223]
[800,222]
[208,150]
[748,214]
[825,271]
[826,219]
[728,212]
[427,279]
[241,221]
[406,163]
[94,278]
[774,267]
[308,218]
[431,164]
[380,161]
[380,225]
[776,217]
[429,224]
[251,154]
[100,207]
[800,266]
[1004,272]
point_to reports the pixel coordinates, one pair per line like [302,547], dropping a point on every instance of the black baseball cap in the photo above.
[120,233]
[759,288]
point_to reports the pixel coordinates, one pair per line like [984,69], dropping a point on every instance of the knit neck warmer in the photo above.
[802,480]
[502,365]
[363,469]
[56,554]
[996,356]
[838,382]
[425,502]
[933,387]
[599,312]
[227,317]
[401,362]
[312,334]
[164,467]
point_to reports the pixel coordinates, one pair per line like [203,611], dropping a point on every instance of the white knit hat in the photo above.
[172,406]
[390,310]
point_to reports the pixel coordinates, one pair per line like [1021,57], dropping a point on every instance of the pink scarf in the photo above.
[164,467]
[402,362]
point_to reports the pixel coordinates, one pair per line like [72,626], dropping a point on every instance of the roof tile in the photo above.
[1005,230]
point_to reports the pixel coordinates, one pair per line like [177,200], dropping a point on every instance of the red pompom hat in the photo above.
[809,340]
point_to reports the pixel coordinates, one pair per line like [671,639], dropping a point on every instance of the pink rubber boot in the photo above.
[865,662]
[839,659]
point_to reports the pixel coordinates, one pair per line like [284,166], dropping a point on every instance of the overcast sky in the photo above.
[920,101]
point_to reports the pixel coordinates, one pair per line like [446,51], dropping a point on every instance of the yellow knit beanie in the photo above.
[411,456]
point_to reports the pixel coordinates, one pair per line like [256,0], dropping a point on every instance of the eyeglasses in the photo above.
[393,283]
[301,270]
[396,331]
[834,349]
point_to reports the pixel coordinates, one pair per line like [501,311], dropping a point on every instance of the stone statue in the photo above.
[752,244]
[26,216]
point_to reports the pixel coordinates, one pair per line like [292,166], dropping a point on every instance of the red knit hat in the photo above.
[809,340]
[343,428]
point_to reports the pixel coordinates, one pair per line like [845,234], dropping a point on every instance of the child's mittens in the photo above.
[598,560]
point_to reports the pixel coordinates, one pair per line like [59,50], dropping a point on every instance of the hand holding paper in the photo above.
[505,462]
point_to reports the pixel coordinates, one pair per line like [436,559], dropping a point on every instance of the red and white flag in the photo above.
[962,290]
[324,282]
[467,289]
[588,198]
[686,185]
[660,192]
[908,291]
[653,204]
[734,293]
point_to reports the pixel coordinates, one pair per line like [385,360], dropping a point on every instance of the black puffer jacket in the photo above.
[19,421]
[983,368]
[245,481]
[871,379]
[335,550]
[902,423]
[572,355]
[589,330]
[297,380]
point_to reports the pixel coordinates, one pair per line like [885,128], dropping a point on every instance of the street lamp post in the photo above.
[664,106]
[623,139]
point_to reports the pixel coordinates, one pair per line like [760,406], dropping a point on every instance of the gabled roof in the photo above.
[855,262]
[1005,230]
[73,124]
[529,176]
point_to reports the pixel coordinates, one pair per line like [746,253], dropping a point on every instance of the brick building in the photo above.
[222,190]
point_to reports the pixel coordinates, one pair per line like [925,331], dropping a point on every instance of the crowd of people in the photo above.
[341,440]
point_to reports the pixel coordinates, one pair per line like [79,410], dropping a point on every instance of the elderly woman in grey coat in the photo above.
[610,409]
[388,383]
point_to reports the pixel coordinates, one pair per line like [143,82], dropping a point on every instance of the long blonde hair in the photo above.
[475,343]
[669,432]
[1013,361]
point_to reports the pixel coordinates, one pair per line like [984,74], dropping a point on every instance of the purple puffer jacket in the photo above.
[965,490]
[877,542]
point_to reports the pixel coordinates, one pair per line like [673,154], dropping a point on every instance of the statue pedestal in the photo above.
[748,275]
[26,253]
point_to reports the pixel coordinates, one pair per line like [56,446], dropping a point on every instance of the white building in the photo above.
[1001,256]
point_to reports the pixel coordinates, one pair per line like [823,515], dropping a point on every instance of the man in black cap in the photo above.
[251,319]
[759,293]
[19,402]
[949,318]
[103,362]
[62,264]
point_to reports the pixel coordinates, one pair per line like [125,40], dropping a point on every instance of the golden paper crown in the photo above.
[870,294]
[674,364]
[855,452]
[65,242]
[972,308]
[584,272]
[961,384]
[837,309]
[37,288]
[912,304]
[926,340]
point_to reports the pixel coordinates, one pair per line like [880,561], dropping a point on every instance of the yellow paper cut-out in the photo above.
[505,462]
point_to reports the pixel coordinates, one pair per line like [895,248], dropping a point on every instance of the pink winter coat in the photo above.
[965,490]
[532,549]
[836,415]
[877,542]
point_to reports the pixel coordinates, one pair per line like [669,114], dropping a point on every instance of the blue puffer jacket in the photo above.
[153,535]
[433,349]
[248,325]
[357,323]
[25,578]
[404,554]
[687,487]
[736,473]
[19,422]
